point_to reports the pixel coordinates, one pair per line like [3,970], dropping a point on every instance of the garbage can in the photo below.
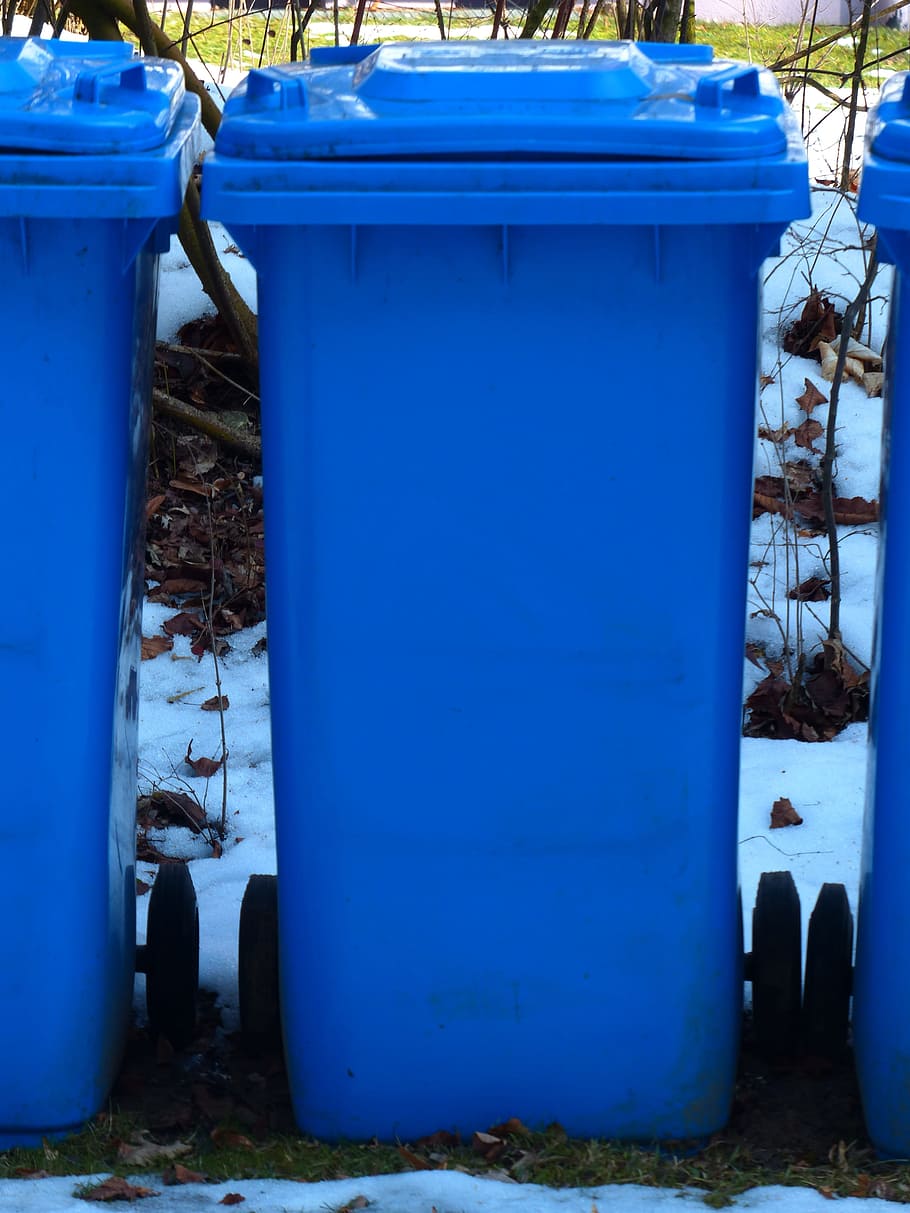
[95,151]
[494,280]
[881,987]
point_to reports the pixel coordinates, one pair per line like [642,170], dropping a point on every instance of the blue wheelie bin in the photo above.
[95,152]
[492,278]
[881,986]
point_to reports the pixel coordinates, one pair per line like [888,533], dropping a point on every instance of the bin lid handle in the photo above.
[739,81]
[278,92]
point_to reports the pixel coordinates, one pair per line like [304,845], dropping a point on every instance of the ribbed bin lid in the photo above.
[888,133]
[78,97]
[499,99]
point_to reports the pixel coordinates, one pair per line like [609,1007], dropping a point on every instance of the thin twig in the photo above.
[828,459]
[216,370]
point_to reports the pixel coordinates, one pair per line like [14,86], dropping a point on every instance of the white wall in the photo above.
[779,12]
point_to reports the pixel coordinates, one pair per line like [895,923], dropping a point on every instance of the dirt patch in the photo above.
[790,1115]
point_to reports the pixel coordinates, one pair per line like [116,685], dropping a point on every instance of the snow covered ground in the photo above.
[426,1192]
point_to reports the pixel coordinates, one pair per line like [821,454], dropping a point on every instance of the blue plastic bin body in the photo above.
[881,986]
[95,151]
[505,711]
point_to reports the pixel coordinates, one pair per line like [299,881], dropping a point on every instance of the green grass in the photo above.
[256,38]
[721,1171]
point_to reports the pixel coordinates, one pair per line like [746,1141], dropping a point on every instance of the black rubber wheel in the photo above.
[829,974]
[171,957]
[776,966]
[257,968]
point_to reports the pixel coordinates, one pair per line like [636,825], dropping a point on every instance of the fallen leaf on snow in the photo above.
[811,397]
[184,624]
[873,381]
[178,1174]
[205,767]
[804,435]
[779,435]
[154,646]
[218,703]
[813,589]
[116,1188]
[784,814]
[165,807]
[753,653]
[232,1198]
[818,322]
[855,511]
[853,368]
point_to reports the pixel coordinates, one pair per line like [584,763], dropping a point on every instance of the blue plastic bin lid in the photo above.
[507,99]
[84,97]
[888,132]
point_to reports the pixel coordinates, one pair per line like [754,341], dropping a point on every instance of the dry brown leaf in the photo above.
[204,767]
[116,1188]
[779,435]
[804,435]
[183,585]
[813,589]
[765,380]
[873,382]
[183,624]
[153,505]
[230,1139]
[154,646]
[218,703]
[853,368]
[811,397]
[232,1198]
[511,1126]
[488,1145]
[784,814]
[178,1174]
[855,511]
[142,1152]
[442,1137]
[414,1160]
[862,353]
[193,486]
[165,807]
